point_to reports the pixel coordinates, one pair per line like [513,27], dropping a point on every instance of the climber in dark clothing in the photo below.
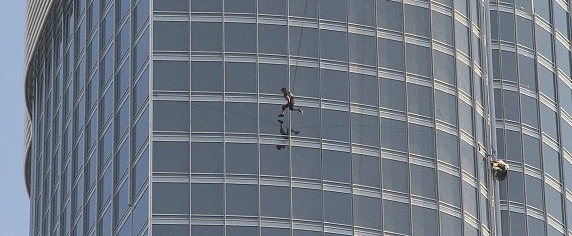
[500,169]
[290,99]
[285,134]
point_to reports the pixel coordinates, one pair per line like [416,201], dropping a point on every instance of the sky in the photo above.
[14,201]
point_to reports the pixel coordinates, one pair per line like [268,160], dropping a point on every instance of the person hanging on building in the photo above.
[285,134]
[500,169]
[290,99]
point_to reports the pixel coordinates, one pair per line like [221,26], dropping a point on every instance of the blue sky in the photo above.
[14,201]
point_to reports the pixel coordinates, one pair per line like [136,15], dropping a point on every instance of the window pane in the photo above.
[366,170]
[418,60]
[421,140]
[393,134]
[363,89]
[333,10]
[446,107]
[442,27]
[207,157]
[395,175]
[392,94]
[362,48]
[206,116]
[207,199]
[272,39]
[274,161]
[335,85]
[338,207]
[397,217]
[171,157]
[423,181]
[361,12]
[417,20]
[207,36]
[171,36]
[303,41]
[241,158]
[240,77]
[275,201]
[306,163]
[365,129]
[171,116]
[307,204]
[240,37]
[447,148]
[171,198]
[389,15]
[272,77]
[206,76]
[367,212]
[333,44]
[335,125]
[304,8]
[444,67]
[240,6]
[241,117]
[449,189]
[425,221]
[273,7]
[171,75]
[336,166]
[391,54]
[242,199]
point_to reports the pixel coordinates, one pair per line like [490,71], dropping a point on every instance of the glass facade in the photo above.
[154,117]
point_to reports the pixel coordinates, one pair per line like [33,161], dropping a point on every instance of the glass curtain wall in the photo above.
[90,119]
[391,141]
[533,102]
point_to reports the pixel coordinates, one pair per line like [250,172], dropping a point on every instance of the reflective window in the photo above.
[170,229]
[336,166]
[546,82]
[524,32]
[553,203]
[272,7]
[366,170]
[307,204]
[446,107]
[389,15]
[272,77]
[392,94]
[171,198]
[364,90]
[335,125]
[333,10]
[562,58]
[272,39]
[447,148]
[417,20]
[526,72]
[306,163]
[171,75]
[240,6]
[516,186]
[207,36]
[241,158]
[534,192]
[395,175]
[241,117]
[240,37]
[171,116]
[207,199]
[338,207]
[207,157]
[206,5]
[362,49]
[466,117]
[365,129]
[424,221]
[206,116]
[333,44]
[511,105]
[549,121]
[561,19]
[393,132]
[442,27]
[420,99]
[367,211]
[536,226]
[361,12]
[421,140]
[241,230]
[418,60]
[177,5]
[274,232]
[275,201]
[531,151]
[335,85]
[514,146]
[423,181]
[171,35]
[397,217]
[543,41]
[303,41]
[444,66]
[305,81]
[206,76]
[304,8]
[207,229]
[506,29]
[391,54]
[449,187]
[517,223]
[462,37]
[508,61]
[274,161]
[529,110]
[240,77]
[242,199]
[171,157]
[308,124]
[542,8]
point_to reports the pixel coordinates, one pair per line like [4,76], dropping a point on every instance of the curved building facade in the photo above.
[533,102]
[158,117]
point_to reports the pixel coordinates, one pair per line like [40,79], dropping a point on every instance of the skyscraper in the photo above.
[155,117]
